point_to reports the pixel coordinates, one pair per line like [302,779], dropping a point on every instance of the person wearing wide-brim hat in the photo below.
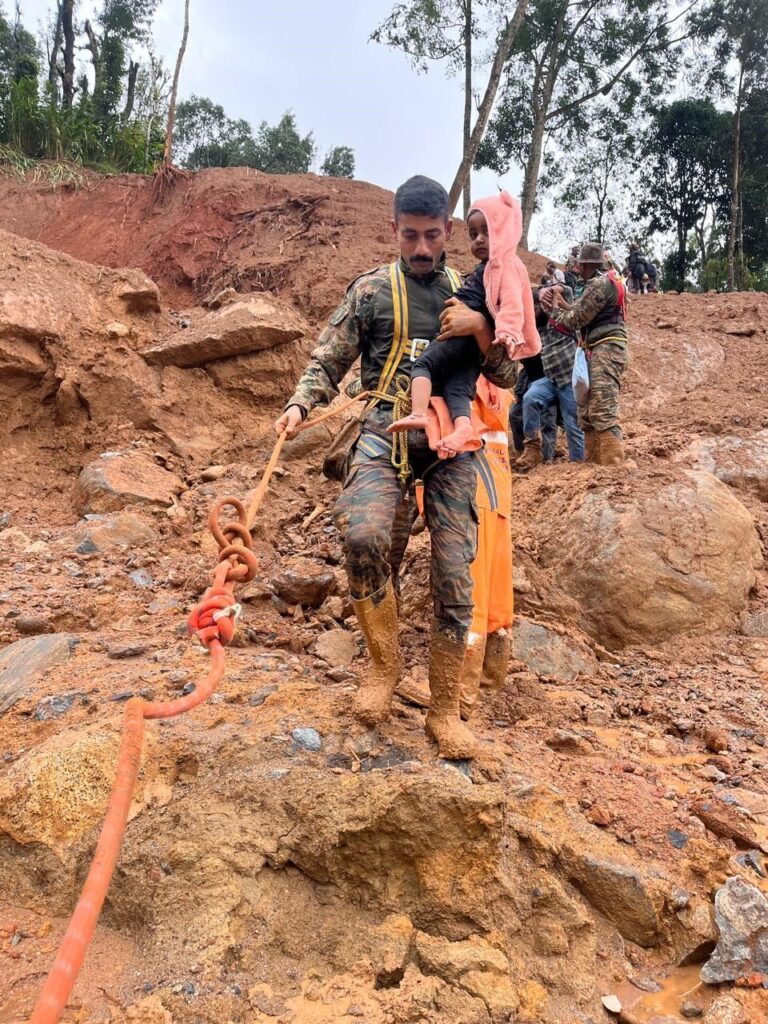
[600,317]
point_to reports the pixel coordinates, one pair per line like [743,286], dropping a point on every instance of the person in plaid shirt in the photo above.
[558,351]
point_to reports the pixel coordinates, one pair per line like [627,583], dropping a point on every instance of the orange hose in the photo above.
[72,951]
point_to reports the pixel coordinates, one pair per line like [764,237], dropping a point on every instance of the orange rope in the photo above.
[213,622]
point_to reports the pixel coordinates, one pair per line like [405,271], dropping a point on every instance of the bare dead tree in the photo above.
[168,151]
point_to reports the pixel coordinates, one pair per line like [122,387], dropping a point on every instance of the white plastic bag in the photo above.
[580,379]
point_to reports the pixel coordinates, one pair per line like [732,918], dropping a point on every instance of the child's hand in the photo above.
[511,343]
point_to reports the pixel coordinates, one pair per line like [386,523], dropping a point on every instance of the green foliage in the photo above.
[566,54]
[36,126]
[432,30]
[206,137]
[339,163]
[686,160]
[280,149]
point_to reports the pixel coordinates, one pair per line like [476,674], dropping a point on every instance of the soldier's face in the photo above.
[421,240]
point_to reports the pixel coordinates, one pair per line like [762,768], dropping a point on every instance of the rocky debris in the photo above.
[249,325]
[121,651]
[24,661]
[691,1010]
[401,843]
[212,473]
[137,292]
[57,792]
[119,479]
[34,625]
[337,647]
[625,895]
[307,739]
[13,541]
[308,588]
[726,821]
[565,741]
[107,533]
[755,624]
[726,1010]
[657,577]
[741,915]
[632,897]
[738,461]
[545,651]
[257,699]
[715,739]
[55,706]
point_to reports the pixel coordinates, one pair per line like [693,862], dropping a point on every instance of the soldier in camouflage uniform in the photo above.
[600,317]
[370,509]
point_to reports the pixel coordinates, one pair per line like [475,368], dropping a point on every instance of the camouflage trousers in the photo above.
[607,364]
[375,513]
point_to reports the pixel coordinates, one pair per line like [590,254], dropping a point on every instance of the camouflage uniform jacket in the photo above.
[363,325]
[589,314]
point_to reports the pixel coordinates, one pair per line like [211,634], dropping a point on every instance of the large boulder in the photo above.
[652,555]
[258,322]
[119,479]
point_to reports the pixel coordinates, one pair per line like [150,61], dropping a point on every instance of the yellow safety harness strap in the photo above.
[401,396]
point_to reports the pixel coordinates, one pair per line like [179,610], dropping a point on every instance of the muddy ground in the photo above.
[622,778]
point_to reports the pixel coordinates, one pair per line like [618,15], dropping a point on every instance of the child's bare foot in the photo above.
[415,421]
[452,443]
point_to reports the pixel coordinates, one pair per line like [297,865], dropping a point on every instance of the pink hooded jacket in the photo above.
[507,288]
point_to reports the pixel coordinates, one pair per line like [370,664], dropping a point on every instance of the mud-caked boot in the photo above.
[455,742]
[377,616]
[498,650]
[592,446]
[471,674]
[611,449]
[532,455]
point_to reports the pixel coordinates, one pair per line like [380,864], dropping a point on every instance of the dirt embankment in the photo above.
[282,863]
[299,236]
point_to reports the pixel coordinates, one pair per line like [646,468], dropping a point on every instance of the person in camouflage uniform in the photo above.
[373,512]
[600,317]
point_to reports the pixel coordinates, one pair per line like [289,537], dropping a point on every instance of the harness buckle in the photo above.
[418,346]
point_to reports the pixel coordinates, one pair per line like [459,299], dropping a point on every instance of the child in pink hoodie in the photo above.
[498,287]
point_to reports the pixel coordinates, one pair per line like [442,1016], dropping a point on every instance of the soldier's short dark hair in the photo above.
[422,197]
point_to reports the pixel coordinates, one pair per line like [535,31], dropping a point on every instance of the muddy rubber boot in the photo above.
[498,649]
[378,622]
[592,447]
[455,742]
[531,454]
[611,449]
[414,692]
[471,674]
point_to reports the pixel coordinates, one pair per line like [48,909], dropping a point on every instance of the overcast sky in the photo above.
[260,59]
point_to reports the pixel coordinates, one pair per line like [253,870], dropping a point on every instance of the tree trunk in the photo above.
[133,71]
[467,101]
[735,185]
[531,175]
[503,49]
[53,58]
[168,151]
[541,108]
[68,30]
[682,254]
[95,48]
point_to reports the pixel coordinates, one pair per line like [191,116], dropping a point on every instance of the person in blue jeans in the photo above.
[558,351]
